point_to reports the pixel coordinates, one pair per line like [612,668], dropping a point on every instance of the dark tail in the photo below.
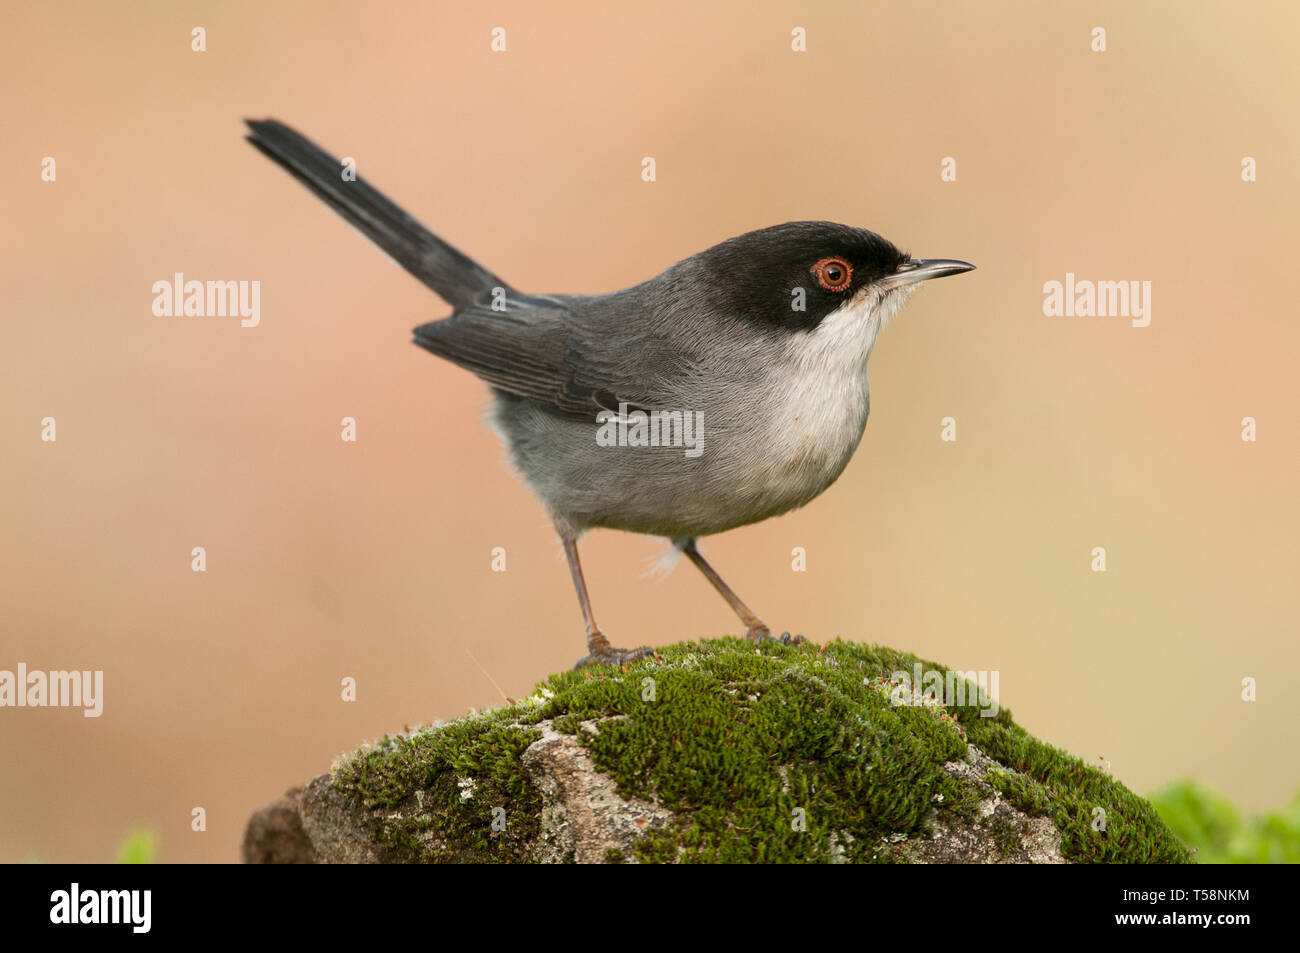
[458,278]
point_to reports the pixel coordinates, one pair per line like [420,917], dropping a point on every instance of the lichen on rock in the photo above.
[722,752]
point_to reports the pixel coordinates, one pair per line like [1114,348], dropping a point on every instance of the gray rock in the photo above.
[583,817]
[718,751]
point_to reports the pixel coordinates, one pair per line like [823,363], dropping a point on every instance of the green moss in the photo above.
[788,754]
[1100,820]
[450,779]
[1022,792]
[1006,835]
[957,799]
[567,724]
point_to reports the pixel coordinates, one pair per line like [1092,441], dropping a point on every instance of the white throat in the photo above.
[819,399]
[843,341]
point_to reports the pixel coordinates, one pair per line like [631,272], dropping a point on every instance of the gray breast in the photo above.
[764,451]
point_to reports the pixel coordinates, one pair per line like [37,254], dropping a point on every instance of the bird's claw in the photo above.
[758,632]
[600,652]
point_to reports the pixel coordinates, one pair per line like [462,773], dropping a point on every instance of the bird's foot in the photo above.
[758,632]
[600,652]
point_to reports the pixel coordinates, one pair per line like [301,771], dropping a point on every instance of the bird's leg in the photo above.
[598,647]
[755,630]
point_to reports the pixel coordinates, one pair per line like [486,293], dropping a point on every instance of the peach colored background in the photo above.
[328,559]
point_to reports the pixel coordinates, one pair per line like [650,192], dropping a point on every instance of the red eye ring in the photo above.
[833,274]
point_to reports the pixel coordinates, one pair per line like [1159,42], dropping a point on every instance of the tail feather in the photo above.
[455,276]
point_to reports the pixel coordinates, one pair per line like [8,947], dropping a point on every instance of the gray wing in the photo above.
[560,352]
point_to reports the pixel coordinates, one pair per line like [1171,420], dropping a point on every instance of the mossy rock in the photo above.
[721,752]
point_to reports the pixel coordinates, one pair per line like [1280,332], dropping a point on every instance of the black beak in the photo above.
[923,269]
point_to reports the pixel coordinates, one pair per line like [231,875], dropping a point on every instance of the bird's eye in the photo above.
[833,274]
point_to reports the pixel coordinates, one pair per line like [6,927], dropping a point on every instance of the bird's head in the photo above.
[824,284]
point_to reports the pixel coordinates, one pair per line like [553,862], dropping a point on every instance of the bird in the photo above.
[727,389]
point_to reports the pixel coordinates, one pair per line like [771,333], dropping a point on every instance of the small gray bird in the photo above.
[730,388]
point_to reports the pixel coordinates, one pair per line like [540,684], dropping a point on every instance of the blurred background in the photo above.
[372,560]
